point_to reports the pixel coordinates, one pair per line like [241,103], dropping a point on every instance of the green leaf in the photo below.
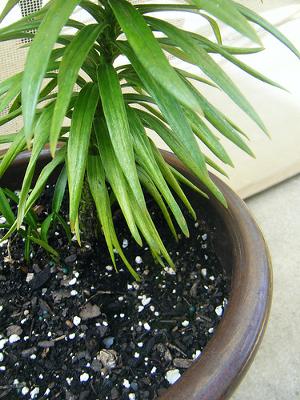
[15,36]
[78,145]
[30,22]
[30,218]
[14,149]
[181,178]
[59,191]
[39,186]
[27,245]
[257,19]
[65,226]
[115,175]
[48,88]
[241,50]
[147,49]
[149,8]
[181,138]
[39,55]
[5,209]
[189,75]
[94,10]
[215,166]
[218,120]
[207,137]
[74,56]
[152,190]
[149,231]
[9,96]
[249,70]
[96,179]
[41,135]
[118,127]
[214,27]
[43,177]
[201,58]
[19,29]
[8,138]
[46,226]
[10,4]
[172,112]
[144,152]
[10,116]
[45,246]
[8,83]
[228,12]
[175,143]
[169,176]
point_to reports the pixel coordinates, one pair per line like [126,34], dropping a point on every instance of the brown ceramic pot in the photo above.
[243,252]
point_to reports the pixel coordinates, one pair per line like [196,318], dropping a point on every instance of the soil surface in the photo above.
[78,330]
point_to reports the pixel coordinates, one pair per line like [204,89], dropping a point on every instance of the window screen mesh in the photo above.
[30,6]
[12,58]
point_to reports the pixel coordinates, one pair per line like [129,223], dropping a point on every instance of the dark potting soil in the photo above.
[78,330]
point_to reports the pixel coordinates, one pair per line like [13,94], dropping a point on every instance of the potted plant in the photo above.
[71,327]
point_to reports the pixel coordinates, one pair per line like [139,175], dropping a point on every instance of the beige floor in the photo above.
[275,373]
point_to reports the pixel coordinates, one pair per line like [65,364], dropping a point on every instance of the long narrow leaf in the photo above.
[39,55]
[149,231]
[10,95]
[46,226]
[7,138]
[78,145]
[147,49]
[152,190]
[9,82]
[30,218]
[207,137]
[118,127]
[96,178]
[43,177]
[173,183]
[182,179]
[41,136]
[257,19]
[94,10]
[5,209]
[59,191]
[27,245]
[144,152]
[15,148]
[45,246]
[171,110]
[70,65]
[249,70]
[10,4]
[181,138]
[201,58]
[65,226]
[115,175]
[228,12]
[39,186]
[218,120]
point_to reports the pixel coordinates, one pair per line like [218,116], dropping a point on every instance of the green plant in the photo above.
[72,93]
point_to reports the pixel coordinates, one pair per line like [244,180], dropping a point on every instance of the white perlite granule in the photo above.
[172,376]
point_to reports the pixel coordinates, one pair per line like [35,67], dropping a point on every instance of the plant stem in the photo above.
[88,221]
